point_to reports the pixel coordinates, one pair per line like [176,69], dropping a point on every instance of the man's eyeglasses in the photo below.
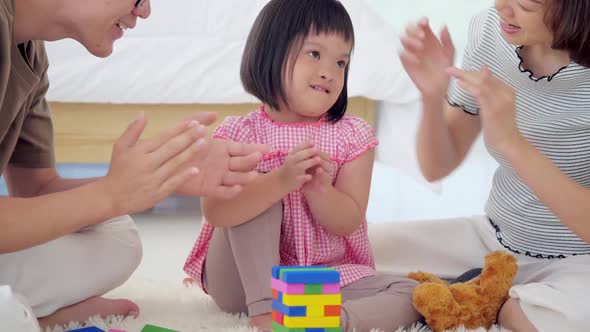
[139,3]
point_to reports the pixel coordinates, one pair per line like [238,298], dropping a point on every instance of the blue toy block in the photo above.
[87,329]
[289,311]
[310,276]
[277,269]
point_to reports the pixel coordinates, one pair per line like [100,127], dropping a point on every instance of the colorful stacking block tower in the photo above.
[305,299]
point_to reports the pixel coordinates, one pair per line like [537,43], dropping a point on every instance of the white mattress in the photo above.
[189,51]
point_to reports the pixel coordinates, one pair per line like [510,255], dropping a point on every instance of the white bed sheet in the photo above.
[189,51]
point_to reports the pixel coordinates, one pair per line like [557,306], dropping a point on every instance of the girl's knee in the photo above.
[272,215]
[402,286]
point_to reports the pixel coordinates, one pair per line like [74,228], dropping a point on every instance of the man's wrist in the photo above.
[107,204]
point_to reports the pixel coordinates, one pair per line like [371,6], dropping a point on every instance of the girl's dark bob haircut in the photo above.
[569,20]
[276,38]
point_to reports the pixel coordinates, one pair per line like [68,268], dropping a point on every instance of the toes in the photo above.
[128,308]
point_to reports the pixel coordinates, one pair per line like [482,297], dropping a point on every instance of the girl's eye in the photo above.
[314,54]
[341,64]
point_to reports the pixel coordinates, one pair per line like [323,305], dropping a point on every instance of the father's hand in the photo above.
[144,172]
[224,167]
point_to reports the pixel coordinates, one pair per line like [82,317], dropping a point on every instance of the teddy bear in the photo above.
[472,304]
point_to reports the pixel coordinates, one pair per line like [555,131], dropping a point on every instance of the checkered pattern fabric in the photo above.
[303,240]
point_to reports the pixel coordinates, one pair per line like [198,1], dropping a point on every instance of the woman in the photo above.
[525,84]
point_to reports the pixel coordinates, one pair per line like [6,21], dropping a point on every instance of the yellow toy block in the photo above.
[315,311]
[305,300]
[311,322]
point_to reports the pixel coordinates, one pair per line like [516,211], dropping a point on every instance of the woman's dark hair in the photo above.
[276,38]
[569,20]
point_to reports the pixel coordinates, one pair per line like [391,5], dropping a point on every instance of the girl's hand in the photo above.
[497,102]
[321,178]
[295,170]
[426,59]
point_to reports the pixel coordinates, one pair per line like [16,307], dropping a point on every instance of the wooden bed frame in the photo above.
[85,133]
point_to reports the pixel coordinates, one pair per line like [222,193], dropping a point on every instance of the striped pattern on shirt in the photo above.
[553,114]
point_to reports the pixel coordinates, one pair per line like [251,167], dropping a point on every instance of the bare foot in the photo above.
[80,312]
[262,322]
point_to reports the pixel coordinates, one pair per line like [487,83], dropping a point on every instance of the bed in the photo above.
[185,58]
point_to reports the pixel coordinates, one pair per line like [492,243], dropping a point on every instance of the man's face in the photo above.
[101,22]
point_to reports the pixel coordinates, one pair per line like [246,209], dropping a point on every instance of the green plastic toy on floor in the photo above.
[153,328]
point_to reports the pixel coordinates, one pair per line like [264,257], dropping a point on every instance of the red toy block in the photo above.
[332,310]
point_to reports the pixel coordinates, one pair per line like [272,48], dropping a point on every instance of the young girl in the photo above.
[307,206]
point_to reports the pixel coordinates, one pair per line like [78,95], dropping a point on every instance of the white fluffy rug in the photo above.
[171,305]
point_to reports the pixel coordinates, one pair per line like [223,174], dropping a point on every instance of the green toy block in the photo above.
[314,288]
[153,328]
[276,327]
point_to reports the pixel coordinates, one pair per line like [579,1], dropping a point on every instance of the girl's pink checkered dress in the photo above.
[303,240]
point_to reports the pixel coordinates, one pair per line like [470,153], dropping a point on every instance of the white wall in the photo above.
[454,13]
[397,196]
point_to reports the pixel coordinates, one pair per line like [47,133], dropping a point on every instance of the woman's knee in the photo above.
[511,316]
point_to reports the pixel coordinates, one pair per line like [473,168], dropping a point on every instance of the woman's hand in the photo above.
[426,59]
[295,172]
[497,102]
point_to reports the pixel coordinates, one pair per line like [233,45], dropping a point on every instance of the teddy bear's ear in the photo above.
[467,276]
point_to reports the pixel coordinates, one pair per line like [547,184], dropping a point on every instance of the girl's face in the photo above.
[99,23]
[522,22]
[317,78]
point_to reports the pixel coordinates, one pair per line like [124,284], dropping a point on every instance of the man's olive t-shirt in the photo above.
[26,130]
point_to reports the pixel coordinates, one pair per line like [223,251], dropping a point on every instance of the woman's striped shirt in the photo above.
[553,114]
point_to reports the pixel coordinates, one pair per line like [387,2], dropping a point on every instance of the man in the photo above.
[65,242]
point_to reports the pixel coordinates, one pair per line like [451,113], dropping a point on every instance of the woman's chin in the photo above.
[517,39]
